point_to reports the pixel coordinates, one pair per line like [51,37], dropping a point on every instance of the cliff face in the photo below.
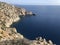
[8,15]
[10,36]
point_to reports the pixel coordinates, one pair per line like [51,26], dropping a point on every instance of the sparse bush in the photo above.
[0,37]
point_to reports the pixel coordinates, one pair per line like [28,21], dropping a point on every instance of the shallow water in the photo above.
[46,23]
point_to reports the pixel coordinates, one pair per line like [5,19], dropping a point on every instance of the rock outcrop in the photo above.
[9,36]
[40,41]
[10,13]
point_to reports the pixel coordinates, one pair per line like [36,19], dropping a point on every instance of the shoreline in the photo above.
[8,15]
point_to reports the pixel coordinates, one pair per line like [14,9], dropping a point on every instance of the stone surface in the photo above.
[40,41]
[10,13]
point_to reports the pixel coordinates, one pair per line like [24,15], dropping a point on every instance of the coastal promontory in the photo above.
[9,35]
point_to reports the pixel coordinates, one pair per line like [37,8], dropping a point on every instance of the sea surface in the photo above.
[45,24]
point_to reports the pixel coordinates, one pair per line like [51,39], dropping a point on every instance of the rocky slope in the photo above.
[10,13]
[9,36]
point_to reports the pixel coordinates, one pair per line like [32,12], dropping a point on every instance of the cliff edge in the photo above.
[9,36]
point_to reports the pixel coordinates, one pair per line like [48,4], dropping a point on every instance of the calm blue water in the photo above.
[46,23]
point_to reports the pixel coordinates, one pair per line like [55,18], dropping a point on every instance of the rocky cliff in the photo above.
[10,13]
[9,36]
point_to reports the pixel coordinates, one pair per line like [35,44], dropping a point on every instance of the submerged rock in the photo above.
[9,36]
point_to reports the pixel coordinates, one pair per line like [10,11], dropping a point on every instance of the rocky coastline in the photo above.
[9,36]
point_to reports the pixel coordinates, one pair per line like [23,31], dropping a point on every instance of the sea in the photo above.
[45,24]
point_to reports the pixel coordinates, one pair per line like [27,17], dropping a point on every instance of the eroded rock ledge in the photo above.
[10,36]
